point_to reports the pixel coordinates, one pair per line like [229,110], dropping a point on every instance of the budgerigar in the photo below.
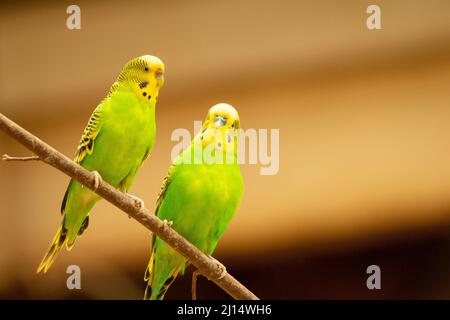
[118,137]
[199,196]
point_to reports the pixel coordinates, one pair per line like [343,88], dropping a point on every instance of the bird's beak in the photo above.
[219,121]
[159,76]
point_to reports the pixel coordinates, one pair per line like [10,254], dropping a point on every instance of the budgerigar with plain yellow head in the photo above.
[199,196]
[118,137]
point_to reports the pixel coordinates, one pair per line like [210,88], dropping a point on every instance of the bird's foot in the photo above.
[97,179]
[220,267]
[138,202]
[167,224]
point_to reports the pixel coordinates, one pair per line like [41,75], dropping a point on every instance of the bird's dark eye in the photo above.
[146,69]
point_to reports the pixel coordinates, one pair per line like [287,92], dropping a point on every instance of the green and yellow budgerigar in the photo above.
[199,196]
[118,137]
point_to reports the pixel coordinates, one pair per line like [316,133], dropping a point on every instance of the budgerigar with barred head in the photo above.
[198,197]
[118,137]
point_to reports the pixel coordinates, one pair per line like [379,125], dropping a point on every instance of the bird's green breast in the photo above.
[201,199]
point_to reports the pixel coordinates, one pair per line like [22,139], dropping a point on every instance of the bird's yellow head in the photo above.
[145,75]
[221,127]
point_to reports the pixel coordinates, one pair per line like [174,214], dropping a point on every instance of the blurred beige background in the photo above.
[364,140]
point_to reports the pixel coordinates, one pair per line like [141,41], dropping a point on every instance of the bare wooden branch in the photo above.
[6,157]
[208,267]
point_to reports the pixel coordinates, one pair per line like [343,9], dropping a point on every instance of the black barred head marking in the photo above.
[142,73]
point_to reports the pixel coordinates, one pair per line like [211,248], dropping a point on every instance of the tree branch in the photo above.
[6,157]
[207,266]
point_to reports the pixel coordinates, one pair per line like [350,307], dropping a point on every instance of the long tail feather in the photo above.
[57,244]
[148,276]
[155,294]
[153,291]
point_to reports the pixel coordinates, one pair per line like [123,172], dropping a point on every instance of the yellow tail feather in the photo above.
[57,243]
[157,293]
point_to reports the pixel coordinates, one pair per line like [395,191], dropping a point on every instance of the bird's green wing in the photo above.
[162,192]
[164,187]
[86,145]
